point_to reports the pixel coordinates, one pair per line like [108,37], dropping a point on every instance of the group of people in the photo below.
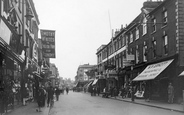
[130,91]
[94,90]
[48,93]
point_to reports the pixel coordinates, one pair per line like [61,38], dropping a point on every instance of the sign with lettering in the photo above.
[152,71]
[48,43]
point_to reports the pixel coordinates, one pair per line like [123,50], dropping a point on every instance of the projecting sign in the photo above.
[48,43]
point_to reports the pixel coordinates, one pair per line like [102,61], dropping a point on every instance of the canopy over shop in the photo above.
[153,70]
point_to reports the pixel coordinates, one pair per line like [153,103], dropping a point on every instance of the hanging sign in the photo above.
[48,43]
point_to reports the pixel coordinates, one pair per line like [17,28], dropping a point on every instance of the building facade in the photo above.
[18,51]
[152,39]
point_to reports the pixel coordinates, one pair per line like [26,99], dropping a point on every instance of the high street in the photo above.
[77,103]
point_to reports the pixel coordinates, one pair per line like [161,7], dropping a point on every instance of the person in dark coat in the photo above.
[98,90]
[57,92]
[67,90]
[50,92]
[40,99]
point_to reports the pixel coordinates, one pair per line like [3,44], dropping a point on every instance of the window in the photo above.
[137,33]
[131,37]
[145,48]
[120,63]
[119,42]
[137,54]
[164,17]
[144,26]
[153,24]
[154,43]
[165,43]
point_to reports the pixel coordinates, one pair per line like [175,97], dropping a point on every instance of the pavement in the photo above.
[153,103]
[30,108]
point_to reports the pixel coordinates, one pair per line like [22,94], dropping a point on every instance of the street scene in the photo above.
[80,103]
[91,57]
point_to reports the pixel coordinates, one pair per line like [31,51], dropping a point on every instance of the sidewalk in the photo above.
[29,109]
[153,103]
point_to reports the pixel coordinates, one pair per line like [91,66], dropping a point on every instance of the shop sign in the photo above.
[48,43]
[152,71]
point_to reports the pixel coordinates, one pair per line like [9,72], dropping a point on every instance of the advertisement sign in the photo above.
[152,71]
[48,43]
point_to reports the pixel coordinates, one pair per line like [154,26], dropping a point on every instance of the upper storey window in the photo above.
[131,37]
[137,33]
[165,17]
[144,26]
[153,24]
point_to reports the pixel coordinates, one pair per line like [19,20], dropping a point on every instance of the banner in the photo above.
[48,43]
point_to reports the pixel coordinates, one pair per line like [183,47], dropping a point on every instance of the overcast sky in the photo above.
[82,26]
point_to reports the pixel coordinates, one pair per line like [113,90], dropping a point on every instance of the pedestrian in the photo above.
[40,99]
[57,92]
[98,90]
[147,92]
[67,90]
[94,90]
[50,92]
[91,90]
[115,90]
[170,93]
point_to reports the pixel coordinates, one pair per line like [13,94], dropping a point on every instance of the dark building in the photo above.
[153,39]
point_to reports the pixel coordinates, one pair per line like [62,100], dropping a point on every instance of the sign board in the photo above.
[48,43]
[130,57]
[152,71]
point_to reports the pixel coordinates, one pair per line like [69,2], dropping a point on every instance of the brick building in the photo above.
[153,39]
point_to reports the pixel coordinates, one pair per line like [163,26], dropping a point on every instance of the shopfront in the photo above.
[156,76]
[11,66]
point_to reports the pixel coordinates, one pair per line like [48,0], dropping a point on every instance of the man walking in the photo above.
[170,93]
[50,92]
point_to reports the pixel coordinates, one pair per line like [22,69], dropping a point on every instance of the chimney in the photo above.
[116,32]
[149,4]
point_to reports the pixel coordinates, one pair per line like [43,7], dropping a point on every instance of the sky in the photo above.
[82,26]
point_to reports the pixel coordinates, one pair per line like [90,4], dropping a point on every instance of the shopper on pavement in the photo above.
[67,90]
[57,92]
[170,93]
[40,98]
[50,92]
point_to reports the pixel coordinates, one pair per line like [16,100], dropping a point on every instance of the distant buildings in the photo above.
[85,72]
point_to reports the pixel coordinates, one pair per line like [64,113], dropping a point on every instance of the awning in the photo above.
[152,71]
[182,74]
[89,83]
[95,81]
